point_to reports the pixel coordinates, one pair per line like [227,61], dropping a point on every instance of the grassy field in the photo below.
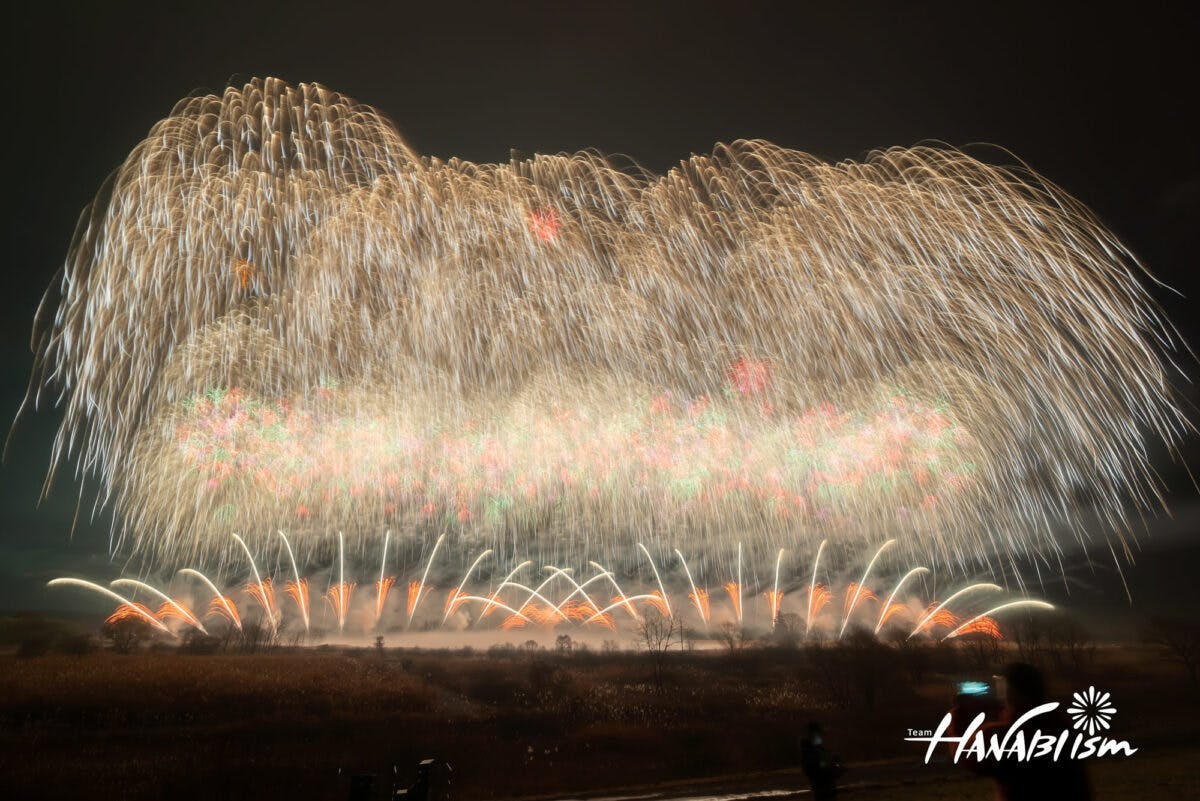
[297,724]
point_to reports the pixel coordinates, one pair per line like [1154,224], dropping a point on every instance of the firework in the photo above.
[221,604]
[298,589]
[932,616]
[277,315]
[859,586]
[170,608]
[560,599]
[127,605]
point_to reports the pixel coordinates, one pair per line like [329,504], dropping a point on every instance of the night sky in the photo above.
[1097,101]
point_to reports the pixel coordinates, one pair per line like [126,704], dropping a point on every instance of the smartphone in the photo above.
[975,689]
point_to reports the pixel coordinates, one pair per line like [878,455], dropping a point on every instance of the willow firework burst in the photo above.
[276,315]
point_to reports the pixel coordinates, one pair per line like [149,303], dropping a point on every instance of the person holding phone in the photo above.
[1017,780]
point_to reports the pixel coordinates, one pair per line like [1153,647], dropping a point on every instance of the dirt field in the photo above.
[299,724]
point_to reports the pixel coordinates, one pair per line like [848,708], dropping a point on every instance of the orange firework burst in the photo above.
[854,595]
[700,599]
[177,611]
[774,600]
[985,626]
[657,600]
[735,595]
[416,591]
[942,618]
[130,610]
[819,598]
[454,600]
[586,612]
[338,597]
[298,592]
[544,223]
[891,611]
[223,606]
[514,622]
[264,593]
[382,587]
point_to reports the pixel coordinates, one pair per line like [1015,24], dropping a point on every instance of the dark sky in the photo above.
[1098,101]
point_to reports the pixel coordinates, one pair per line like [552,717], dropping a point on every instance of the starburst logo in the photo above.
[1091,710]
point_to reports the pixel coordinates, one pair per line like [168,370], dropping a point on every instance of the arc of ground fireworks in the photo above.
[186,614]
[621,602]
[658,578]
[537,593]
[424,576]
[579,588]
[463,583]
[302,599]
[88,585]
[895,590]
[970,588]
[604,571]
[233,615]
[858,589]
[258,578]
[994,610]
[498,604]
[812,587]
[505,583]
[695,593]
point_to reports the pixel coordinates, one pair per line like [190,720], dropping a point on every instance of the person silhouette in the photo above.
[1030,779]
[821,768]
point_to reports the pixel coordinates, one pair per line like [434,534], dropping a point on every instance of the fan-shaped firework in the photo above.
[277,315]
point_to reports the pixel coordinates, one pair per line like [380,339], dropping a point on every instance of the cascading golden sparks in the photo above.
[277,315]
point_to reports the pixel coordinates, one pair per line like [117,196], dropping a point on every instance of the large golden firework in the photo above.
[276,315]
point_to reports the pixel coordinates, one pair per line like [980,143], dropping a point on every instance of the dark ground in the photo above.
[163,723]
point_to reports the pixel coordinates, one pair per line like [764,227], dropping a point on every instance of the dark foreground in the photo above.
[299,724]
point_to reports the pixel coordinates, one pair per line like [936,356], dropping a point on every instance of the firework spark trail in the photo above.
[495,595]
[886,611]
[451,604]
[338,596]
[623,600]
[776,600]
[580,589]
[991,613]
[298,589]
[757,341]
[737,604]
[812,587]
[220,601]
[416,601]
[666,602]
[536,592]
[734,591]
[383,585]
[180,612]
[983,586]
[265,596]
[87,585]
[604,571]
[130,610]
[861,582]
[701,604]
[492,602]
